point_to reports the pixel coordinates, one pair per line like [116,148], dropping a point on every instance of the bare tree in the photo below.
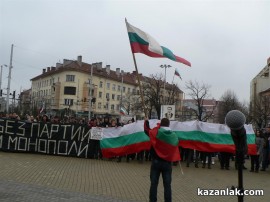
[260,110]
[228,102]
[132,102]
[154,93]
[199,92]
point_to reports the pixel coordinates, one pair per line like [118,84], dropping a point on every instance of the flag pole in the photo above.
[140,86]
[138,77]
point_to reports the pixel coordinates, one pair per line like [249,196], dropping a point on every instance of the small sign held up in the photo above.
[168,111]
[96,133]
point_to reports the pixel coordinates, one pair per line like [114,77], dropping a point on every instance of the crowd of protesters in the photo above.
[259,162]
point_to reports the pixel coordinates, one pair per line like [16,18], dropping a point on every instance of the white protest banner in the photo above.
[96,133]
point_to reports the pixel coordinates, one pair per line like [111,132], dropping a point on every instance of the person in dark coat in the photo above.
[259,148]
[265,160]
[224,159]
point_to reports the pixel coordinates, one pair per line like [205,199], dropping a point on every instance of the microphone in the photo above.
[235,120]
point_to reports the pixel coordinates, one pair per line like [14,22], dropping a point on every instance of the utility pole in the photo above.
[9,78]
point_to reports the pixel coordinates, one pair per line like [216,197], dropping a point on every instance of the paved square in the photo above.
[35,177]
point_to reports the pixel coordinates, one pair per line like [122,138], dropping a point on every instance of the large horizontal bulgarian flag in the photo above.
[197,135]
[141,42]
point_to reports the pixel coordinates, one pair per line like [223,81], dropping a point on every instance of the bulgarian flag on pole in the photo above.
[141,42]
[177,74]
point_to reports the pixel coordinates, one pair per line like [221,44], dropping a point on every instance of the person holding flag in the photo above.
[164,150]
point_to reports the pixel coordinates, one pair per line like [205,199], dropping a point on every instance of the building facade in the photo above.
[261,82]
[24,102]
[210,108]
[77,88]
[260,97]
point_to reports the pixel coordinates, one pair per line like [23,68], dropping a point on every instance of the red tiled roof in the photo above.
[86,68]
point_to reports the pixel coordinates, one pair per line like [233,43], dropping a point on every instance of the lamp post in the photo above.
[165,67]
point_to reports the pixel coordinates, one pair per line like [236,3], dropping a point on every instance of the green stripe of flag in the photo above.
[124,140]
[168,137]
[215,138]
[211,138]
[133,37]
[168,53]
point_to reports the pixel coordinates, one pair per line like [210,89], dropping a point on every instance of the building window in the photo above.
[124,89]
[112,107]
[118,107]
[128,90]
[99,105]
[69,90]
[119,88]
[68,102]
[91,91]
[100,84]
[113,96]
[113,87]
[118,97]
[107,96]
[108,85]
[70,78]
[100,94]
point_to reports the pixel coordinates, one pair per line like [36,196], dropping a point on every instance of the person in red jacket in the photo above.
[164,150]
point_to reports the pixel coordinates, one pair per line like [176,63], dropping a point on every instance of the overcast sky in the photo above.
[227,42]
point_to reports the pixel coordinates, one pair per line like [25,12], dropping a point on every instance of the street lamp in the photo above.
[165,67]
